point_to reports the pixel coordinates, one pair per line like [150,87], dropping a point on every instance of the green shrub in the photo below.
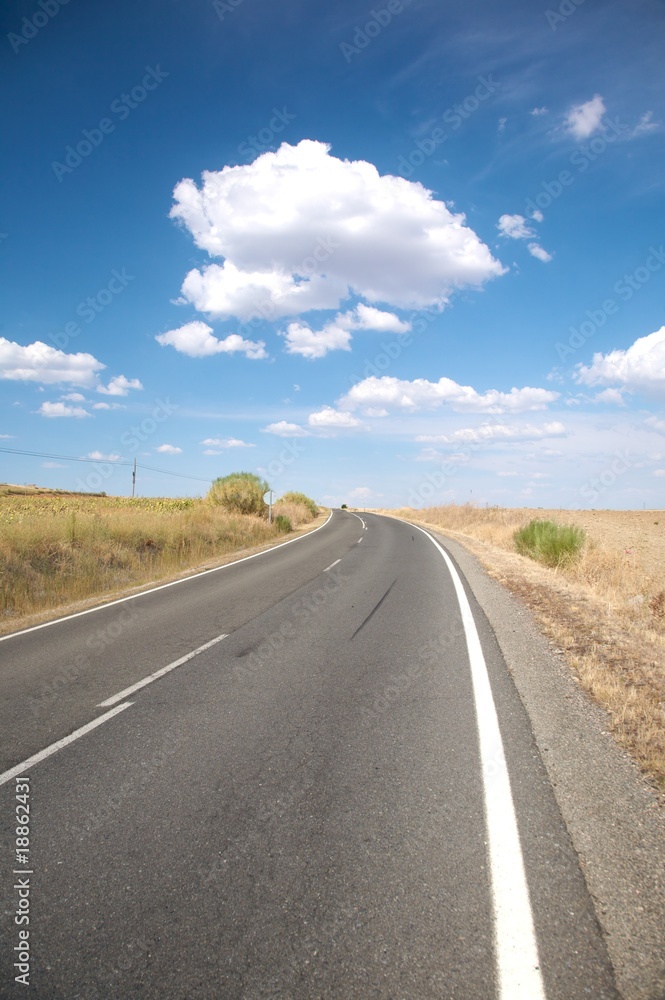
[239,492]
[300,498]
[549,543]
[344,507]
[282,523]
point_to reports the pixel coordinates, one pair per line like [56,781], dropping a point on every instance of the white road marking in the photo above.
[23,768]
[331,565]
[359,540]
[360,519]
[160,673]
[163,586]
[516,949]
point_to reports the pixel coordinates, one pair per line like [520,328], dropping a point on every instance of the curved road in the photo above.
[338,795]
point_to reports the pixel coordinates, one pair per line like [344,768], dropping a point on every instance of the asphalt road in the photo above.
[317,805]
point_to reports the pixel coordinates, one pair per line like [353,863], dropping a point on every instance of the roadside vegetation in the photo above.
[553,544]
[57,549]
[594,582]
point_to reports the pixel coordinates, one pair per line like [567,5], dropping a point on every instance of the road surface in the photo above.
[338,795]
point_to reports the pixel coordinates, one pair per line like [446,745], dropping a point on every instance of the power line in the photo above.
[96,461]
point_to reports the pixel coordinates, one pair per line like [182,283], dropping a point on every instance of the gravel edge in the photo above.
[613,817]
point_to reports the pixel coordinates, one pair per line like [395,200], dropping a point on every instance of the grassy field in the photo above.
[59,549]
[604,609]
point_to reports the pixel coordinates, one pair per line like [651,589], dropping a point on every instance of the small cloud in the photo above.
[537,215]
[537,112]
[100,456]
[514,227]
[53,465]
[62,410]
[284,429]
[226,443]
[645,126]
[329,417]
[196,340]
[361,493]
[584,119]
[119,386]
[74,397]
[610,396]
[659,472]
[502,124]
[537,251]
[169,449]
[108,406]
[6,437]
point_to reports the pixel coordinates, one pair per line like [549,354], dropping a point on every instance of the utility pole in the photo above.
[134,480]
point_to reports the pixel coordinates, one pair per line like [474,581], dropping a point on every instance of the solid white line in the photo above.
[159,673]
[359,540]
[43,754]
[516,955]
[163,586]
[331,565]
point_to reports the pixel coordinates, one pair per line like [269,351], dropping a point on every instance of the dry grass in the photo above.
[605,611]
[58,549]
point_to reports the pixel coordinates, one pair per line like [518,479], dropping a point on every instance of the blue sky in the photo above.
[403,253]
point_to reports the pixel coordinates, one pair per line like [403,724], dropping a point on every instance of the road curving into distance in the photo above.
[306,775]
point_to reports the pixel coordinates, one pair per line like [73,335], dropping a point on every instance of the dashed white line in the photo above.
[331,565]
[26,765]
[359,540]
[516,949]
[160,673]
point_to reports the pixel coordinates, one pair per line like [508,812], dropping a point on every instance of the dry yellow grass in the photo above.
[605,612]
[59,549]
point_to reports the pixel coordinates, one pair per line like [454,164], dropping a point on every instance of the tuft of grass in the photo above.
[282,523]
[550,543]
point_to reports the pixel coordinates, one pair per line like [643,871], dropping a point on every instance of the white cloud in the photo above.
[301,339]
[300,229]
[515,227]
[53,465]
[610,396]
[360,493]
[656,423]
[40,363]
[582,120]
[536,112]
[499,432]
[537,215]
[285,429]
[226,443]
[196,340]
[419,394]
[659,472]
[169,449]
[99,456]
[119,386]
[329,417]
[537,251]
[502,124]
[62,410]
[645,125]
[74,397]
[641,366]
[336,334]
[108,406]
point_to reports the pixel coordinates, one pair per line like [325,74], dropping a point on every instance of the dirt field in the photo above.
[639,534]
